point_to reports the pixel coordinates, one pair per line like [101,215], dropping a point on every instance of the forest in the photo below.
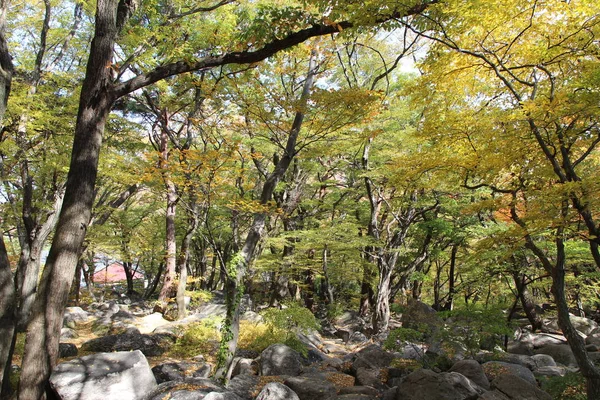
[308,155]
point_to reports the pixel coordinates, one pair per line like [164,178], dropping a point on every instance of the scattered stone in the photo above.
[369,377]
[363,390]
[372,357]
[276,391]
[67,350]
[583,325]
[358,337]
[279,359]
[104,376]
[543,360]
[74,316]
[243,365]
[550,371]
[68,333]
[356,397]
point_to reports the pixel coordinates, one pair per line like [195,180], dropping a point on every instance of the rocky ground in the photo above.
[123,351]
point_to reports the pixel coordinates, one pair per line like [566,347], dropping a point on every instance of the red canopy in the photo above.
[113,273]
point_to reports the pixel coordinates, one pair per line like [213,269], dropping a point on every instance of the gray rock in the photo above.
[276,391]
[550,371]
[472,370]
[253,317]
[426,384]
[74,316]
[543,360]
[222,396]
[516,388]
[493,369]
[150,345]
[310,388]
[519,359]
[372,357]
[583,325]
[356,397]
[358,337]
[362,390]
[369,377]
[104,376]
[178,371]
[593,339]
[279,359]
[68,333]
[243,385]
[493,395]
[561,353]
[67,350]
[243,365]
[418,314]
[343,334]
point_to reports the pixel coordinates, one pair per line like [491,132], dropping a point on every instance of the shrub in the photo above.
[398,337]
[572,386]
[198,338]
[280,326]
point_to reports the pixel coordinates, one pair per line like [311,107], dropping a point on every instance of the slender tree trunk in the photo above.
[326,290]
[449,305]
[184,257]
[236,268]
[154,284]
[6,65]
[381,316]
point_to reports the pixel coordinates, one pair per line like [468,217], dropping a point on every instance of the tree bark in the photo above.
[43,333]
[7,319]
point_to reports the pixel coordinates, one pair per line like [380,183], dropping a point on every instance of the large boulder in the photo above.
[472,370]
[516,388]
[311,387]
[494,369]
[561,353]
[243,385]
[104,376]
[150,345]
[279,359]
[276,391]
[418,315]
[426,384]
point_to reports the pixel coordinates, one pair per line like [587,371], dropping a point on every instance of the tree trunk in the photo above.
[449,305]
[6,65]
[152,287]
[381,316]
[7,319]
[128,270]
[184,257]
[236,268]
[43,333]
[326,290]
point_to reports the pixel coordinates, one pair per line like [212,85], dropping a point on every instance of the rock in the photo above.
[561,353]
[426,384]
[243,385]
[413,351]
[583,325]
[253,317]
[369,377]
[67,350]
[343,334]
[244,366]
[493,369]
[150,345]
[149,323]
[372,357]
[418,314]
[543,360]
[192,389]
[348,317]
[550,371]
[68,333]
[356,397]
[362,390]
[276,391]
[593,339]
[310,388]
[211,310]
[74,316]
[358,337]
[472,370]
[222,396]
[516,388]
[519,359]
[279,359]
[104,376]
[493,395]
[180,370]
